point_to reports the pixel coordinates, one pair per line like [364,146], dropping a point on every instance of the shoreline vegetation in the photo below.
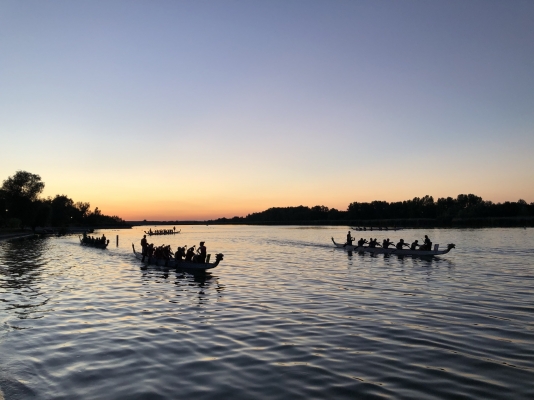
[374,224]
[21,207]
[464,211]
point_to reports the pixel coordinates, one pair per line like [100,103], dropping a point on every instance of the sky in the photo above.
[177,110]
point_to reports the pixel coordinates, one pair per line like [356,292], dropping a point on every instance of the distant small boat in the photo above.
[403,252]
[97,245]
[149,233]
[172,263]
[387,228]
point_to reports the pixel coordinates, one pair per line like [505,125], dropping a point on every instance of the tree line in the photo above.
[443,211]
[21,206]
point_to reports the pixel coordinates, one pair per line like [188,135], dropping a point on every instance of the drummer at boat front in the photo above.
[144,245]
[201,253]
[350,239]
[427,243]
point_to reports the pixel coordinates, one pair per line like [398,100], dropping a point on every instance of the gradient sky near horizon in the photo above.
[208,109]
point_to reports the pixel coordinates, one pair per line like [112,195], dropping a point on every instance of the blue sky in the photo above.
[172,109]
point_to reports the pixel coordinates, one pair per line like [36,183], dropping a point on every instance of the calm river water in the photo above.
[283,316]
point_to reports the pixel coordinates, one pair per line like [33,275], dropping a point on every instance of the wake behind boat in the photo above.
[399,252]
[172,263]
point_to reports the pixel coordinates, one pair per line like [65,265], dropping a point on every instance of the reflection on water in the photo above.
[284,316]
[201,283]
[21,274]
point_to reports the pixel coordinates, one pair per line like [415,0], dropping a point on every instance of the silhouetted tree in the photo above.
[20,193]
[443,211]
[62,210]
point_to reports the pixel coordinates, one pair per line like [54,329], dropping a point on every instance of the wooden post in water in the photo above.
[117,240]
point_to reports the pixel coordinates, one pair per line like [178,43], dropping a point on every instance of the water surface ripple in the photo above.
[284,316]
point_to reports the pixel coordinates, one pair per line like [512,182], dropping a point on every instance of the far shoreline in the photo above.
[390,224]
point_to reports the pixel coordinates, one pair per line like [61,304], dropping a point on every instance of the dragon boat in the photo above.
[172,263]
[97,245]
[403,252]
[162,233]
[386,228]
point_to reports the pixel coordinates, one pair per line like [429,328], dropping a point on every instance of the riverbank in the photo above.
[13,234]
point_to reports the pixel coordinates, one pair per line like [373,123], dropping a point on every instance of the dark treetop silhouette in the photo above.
[463,210]
[21,206]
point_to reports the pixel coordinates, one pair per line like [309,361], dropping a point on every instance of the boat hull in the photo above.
[173,264]
[403,252]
